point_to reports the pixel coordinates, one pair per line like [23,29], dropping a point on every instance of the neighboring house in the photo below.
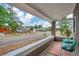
[40,29]
[22,30]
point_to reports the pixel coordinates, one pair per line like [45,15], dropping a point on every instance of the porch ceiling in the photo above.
[48,11]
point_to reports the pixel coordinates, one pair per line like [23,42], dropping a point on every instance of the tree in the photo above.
[31,28]
[39,26]
[36,27]
[13,25]
[6,17]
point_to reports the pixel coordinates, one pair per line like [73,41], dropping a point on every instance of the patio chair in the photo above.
[68,44]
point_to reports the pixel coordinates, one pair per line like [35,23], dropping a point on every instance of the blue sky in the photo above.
[29,19]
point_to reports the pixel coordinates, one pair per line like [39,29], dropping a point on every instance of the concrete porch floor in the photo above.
[46,53]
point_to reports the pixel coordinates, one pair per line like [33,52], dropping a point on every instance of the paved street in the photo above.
[13,40]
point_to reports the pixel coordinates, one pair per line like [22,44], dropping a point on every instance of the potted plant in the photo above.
[68,41]
[68,33]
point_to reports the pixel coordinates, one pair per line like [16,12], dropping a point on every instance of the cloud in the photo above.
[18,12]
[46,24]
[26,19]
[40,23]
[29,16]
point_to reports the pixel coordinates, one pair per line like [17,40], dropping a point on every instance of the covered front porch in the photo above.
[51,45]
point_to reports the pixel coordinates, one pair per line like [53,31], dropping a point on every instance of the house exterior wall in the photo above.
[76,22]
